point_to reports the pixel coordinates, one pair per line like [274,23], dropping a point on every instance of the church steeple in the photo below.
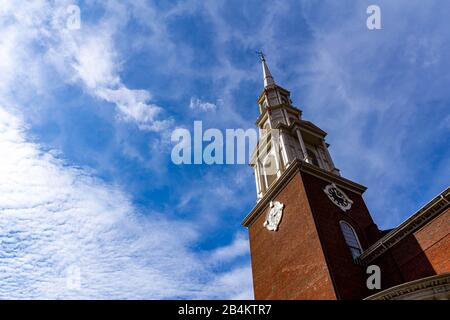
[267,76]
[309,223]
[284,136]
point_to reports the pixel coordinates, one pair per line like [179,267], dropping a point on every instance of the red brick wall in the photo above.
[307,258]
[421,254]
[349,278]
[289,263]
[425,252]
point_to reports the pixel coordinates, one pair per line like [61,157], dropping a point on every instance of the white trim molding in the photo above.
[430,288]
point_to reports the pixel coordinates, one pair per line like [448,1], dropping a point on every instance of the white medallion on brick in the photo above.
[274,216]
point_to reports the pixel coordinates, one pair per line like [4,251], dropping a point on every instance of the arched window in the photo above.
[312,155]
[351,239]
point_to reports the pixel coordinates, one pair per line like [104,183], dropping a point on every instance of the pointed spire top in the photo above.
[268,79]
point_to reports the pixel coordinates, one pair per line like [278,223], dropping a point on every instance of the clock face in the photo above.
[338,197]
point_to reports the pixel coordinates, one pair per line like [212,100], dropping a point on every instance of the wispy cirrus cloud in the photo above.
[54,217]
[381,97]
[37,40]
[238,248]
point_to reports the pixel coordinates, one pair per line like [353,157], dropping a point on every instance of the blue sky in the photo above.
[86,117]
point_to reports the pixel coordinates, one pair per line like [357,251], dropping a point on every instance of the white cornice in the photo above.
[263,116]
[295,167]
[425,288]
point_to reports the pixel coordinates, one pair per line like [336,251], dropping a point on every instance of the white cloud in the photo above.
[54,217]
[238,248]
[237,283]
[370,95]
[198,104]
[35,42]
[94,60]
[134,107]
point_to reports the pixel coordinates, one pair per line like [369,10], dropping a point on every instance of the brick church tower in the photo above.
[310,224]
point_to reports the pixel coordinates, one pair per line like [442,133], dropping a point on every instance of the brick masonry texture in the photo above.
[308,258]
[289,263]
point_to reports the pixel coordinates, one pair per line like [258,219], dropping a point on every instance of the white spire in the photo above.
[268,79]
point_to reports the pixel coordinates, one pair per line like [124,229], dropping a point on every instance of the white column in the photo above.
[322,158]
[330,160]
[262,178]
[302,146]
[258,187]
[278,96]
[277,160]
[284,150]
[275,147]
[286,118]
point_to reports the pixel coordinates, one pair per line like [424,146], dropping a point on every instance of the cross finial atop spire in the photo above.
[268,79]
